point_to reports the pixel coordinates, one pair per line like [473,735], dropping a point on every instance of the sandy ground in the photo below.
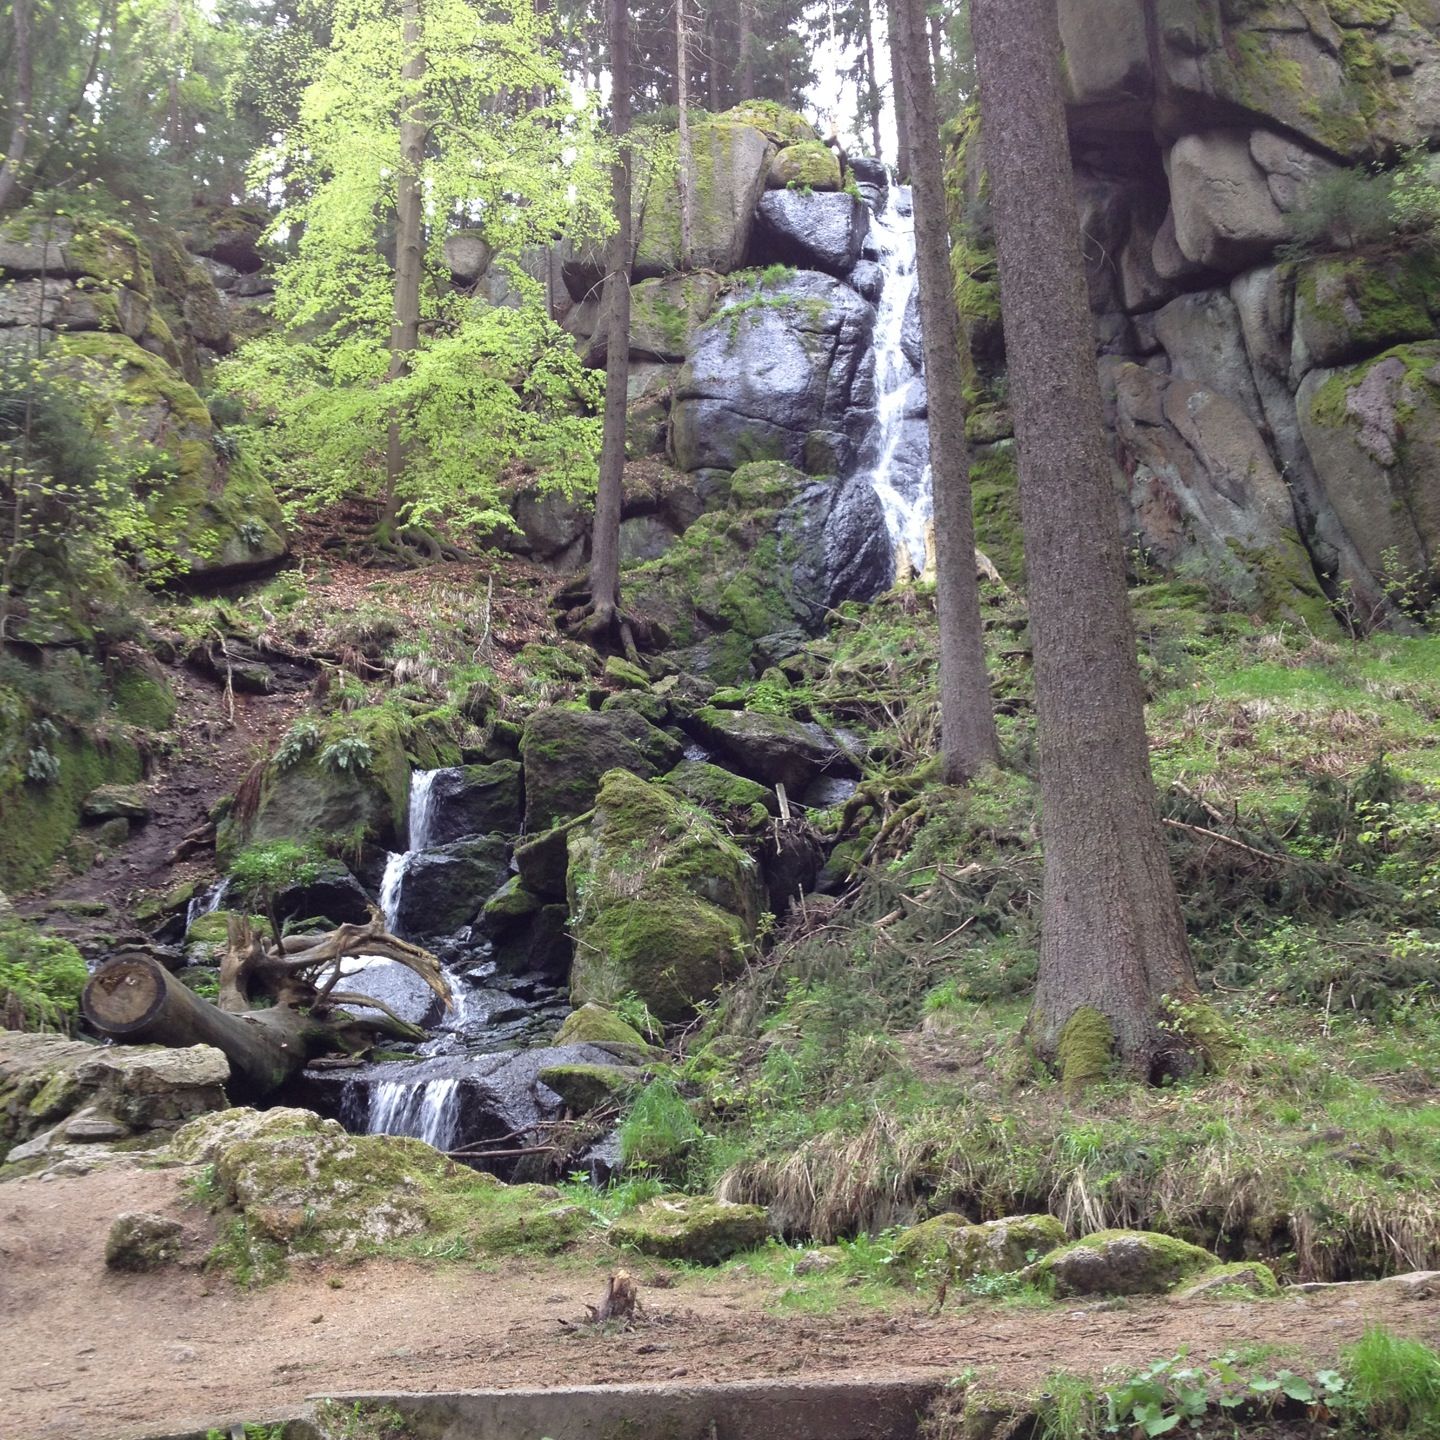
[87,1354]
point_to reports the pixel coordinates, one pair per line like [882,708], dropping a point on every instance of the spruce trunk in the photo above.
[1113,941]
[968,740]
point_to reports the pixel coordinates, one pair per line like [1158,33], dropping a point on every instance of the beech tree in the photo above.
[383,382]
[967,718]
[1115,971]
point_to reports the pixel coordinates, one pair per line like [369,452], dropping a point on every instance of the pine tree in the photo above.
[1115,969]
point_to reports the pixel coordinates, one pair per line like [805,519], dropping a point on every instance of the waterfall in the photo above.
[206,904]
[428,1110]
[419,823]
[899,469]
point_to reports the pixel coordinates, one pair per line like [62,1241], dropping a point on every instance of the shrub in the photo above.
[41,978]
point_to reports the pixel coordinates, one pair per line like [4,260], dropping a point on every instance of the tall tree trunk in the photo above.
[872,80]
[405,329]
[682,103]
[605,542]
[897,89]
[967,718]
[712,55]
[937,54]
[23,99]
[747,51]
[1112,939]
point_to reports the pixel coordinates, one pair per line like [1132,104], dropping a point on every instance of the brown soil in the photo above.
[85,1352]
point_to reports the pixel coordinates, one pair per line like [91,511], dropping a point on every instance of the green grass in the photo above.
[1394,1384]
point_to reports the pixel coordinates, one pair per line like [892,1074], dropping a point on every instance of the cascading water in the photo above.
[429,1110]
[419,823]
[898,450]
[206,904]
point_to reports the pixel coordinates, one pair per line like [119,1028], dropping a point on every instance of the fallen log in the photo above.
[135,999]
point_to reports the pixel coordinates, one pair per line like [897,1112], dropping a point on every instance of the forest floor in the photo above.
[85,1351]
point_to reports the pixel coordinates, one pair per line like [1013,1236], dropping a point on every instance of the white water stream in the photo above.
[902,485]
[418,826]
[429,1110]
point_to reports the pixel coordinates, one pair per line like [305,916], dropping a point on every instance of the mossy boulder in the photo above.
[303,1185]
[806,165]
[739,804]
[315,797]
[778,124]
[217,516]
[772,748]
[476,800]
[1347,307]
[1120,1262]
[111,802]
[1245,1279]
[583,1088]
[139,1242]
[667,311]
[663,905]
[691,1228]
[566,750]
[594,1024]
[1373,433]
[445,888]
[950,1244]
[729,162]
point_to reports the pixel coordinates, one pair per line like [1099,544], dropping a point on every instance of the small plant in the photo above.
[348,755]
[1393,1386]
[41,977]
[302,739]
[659,1132]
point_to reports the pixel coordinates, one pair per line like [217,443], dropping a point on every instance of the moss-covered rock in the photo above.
[218,517]
[667,311]
[138,1241]
[1347,307]
[583,1088]
[1245,1279]
[594,1024]
[1120,1262]
[950,1244]
[739,804]
[688,1227]
[110,802]
[778,124]
[806,165]
[566,750]
[772,748]
[663,904]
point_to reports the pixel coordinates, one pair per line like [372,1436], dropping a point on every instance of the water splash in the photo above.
[902,485]
[428,1110]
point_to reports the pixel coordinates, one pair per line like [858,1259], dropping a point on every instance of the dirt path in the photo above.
[87,1353]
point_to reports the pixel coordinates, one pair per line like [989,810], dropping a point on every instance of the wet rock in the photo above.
[868,279]
[443,889]
[567,750]
[476,800]
[687,1227]
[395,986]
[770,748]
[1121,1262]
[872,178]
[661,902]
[583,1088]
[542,863]
[333,895]
[839,544]
[813,231]
[783,371]
[139,1241]
[539,944]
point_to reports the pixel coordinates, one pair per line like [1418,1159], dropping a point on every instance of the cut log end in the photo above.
[126,996]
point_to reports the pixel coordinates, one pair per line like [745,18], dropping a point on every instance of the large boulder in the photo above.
[770,748]
[729,163]
[806,165]
[1206,497]
[810,228]
[693,1228]
[666,312]
[1348,307]
[443,889]
[783,371]
[951,1244]
[215,514]
[663,905]
[476,800]
[1120,1262]
[1225,214]
[838,543]
[566,750]
[1373,432]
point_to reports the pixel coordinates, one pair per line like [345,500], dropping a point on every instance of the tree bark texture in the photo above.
[1112,936]
[897,86]
[136,1000]
[682,105]
[22,101]
[405,331]
[605,543]
[967,718]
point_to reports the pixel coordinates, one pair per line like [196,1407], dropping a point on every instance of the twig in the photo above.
[1226,840]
